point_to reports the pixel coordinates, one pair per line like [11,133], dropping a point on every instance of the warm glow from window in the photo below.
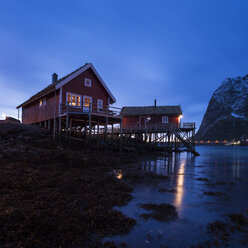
[40,102]
[69,99]
[74,100]
[78,101]
[87,102]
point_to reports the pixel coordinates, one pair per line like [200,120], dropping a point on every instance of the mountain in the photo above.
[226,117]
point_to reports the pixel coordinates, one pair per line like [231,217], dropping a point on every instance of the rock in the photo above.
[128,149]
[226,117]
[11,153]
[11,119]
[78,161]
[43,143]
[34,155]
[61,157]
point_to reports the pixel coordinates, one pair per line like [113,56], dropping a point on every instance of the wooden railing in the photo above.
[158,126]
[86,107]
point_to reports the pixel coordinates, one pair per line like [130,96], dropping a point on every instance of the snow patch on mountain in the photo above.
[227,112]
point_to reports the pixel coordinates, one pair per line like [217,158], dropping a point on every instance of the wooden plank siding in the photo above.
[34,113]
[155,119]
[96,91]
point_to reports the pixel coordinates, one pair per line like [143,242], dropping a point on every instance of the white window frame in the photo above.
[165,119]
[99,105]
[76,95]
[87,109]
[87,82]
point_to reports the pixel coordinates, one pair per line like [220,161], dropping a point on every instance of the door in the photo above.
[87,104]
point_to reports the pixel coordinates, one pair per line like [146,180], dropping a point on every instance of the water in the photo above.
[226,168]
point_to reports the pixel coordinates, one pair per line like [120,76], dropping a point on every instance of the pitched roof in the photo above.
[52,87]
[152,110]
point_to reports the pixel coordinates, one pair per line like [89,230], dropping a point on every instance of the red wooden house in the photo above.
[76,95]
[151,116]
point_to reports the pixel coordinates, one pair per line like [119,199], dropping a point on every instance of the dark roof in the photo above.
[50,88]
[152,110]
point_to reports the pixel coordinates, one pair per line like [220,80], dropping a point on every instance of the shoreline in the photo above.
[54,196]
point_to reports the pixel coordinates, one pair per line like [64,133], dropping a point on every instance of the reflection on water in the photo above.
[220,166]
[167,166]
[236,167]
[174,165]
[118,174]
[179,185]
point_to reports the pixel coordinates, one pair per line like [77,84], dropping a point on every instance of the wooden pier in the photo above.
[105,127]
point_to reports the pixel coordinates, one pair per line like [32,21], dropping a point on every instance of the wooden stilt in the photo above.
[70,127]
[59,125]
[112,134]
[54,128]
[121,130]
[106,129]
[67,124]
[98,133]
[90,130]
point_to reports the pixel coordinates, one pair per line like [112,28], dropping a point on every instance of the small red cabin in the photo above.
[151,115]
[80,92]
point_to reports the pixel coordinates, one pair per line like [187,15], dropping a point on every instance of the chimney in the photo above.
[54,78]
[155,102]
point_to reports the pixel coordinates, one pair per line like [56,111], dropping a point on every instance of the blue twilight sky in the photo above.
[175,51]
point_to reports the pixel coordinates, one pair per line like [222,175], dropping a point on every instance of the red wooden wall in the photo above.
[33,113]
[155,119]
[96,91]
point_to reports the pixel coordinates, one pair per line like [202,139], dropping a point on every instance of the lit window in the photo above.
[40,102]
[99,105]
[148,118]
[164,119]
[69,99]
[87,82]
[87,103]
[78,101]
[74,100]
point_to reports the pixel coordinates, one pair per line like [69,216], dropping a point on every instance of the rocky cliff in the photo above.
[226,117]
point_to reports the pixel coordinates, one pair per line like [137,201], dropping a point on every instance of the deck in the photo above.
[93,123]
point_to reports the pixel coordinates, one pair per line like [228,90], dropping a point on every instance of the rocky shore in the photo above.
[54,196]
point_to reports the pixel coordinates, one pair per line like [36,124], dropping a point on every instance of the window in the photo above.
[99,105]
[44,101]
[87,103]
[73,100]
[87,82]
[40,103]
[164,119]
